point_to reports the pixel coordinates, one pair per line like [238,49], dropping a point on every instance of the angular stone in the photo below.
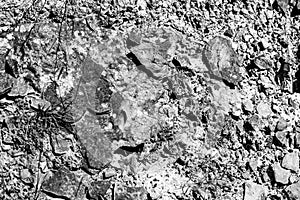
[262,63]
[265,177]
[248,105]
[282,138]
[281,124]
[293,191]
[253,191]
[281,175]
[132,193]
[26,176]
[62,183]
[60,144]
[96,145]
[283,4]
[40,104]
[221,60]
[98,189]
[297,139]
[20,88]
[291,161]
[253,164]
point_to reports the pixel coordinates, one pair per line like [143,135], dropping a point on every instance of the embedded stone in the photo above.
[293,191]
[291,161]
[221,60]
[281,175]
[253,191]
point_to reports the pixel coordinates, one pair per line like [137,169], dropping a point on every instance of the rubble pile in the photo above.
[150,100]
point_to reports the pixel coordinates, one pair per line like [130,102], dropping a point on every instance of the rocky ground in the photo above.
[147,99]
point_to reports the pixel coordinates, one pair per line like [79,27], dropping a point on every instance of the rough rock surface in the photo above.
[254,191]
[291,161]
[293,191]
[281,175]
[221,60]
[62,184]
[149,99]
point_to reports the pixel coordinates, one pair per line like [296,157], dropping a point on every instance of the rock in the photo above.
[281,138]
[293,191]
[96,145]
[294,178]
[253,165]
[20,88]
[281,175]
[60,145]
[108,173]
[298,51]
[265,177]
[248,105]
[98,189]
[236,110]
[264,44]
[264,109]
[221,60]
[297,139]
[62,183]
[253,191]
[132,193]
[229,32]
[291,161]
[40,104]
[255,122]
[281,124]
[281,5]
[26,176]
[262,63]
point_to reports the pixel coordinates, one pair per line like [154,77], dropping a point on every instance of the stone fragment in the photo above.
[297,139]
[60,145]
[20,88]
[248,105]
[262,63]
[97,148]
[253,164]
[293,191]
[253,191]
[294,178]
[108,173]
[281,5]
[291,161]
[255,122]
[281,175]
[221,60]
[281,124]
[40,104]
[237,110]
[229,33]
[98,189]
[264,109]
[265,177]
[26,176]
[281,138]
[62,183]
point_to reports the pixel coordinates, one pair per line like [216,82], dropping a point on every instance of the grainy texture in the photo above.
[149,99]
